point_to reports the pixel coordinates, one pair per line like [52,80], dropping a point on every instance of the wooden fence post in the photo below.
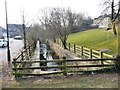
[81,50]
[15,67]
[90,54]
[29,51]
[69,46]
[22,57]
[101,56]
[74,48]
[117,64]
[26,51]
[65,67]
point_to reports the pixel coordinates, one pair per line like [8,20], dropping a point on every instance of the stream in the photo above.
[44,53]
[47,55]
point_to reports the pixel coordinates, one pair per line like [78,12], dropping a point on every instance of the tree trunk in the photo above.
[114,28]
[54,40]
[64,44]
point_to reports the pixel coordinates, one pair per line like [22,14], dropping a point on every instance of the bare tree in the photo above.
[62,20]
[33,34]
[60,23]
[22,29]
[114,11]
[25,29]
[46,24]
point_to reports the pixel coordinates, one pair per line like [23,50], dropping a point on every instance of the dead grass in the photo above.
[70,81]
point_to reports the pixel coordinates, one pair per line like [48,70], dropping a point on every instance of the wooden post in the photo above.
[81,50]
[29,51]
[26,51]
[74,48]
[15,67]
[117,64]
[22,57]
[69,46]
[101,56]
[65,68]
[90,54]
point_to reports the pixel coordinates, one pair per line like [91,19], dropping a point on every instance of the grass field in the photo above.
[96,39]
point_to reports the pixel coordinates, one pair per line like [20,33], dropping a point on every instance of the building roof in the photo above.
[2,29]
[14,26]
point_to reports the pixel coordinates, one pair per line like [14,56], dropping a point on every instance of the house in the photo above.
[3,32]
[103,21]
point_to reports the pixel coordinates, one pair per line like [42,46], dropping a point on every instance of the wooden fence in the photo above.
[65,66]
[86,52]
[25,53]
[96,61]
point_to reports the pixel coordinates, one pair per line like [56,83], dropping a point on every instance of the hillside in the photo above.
[97,39]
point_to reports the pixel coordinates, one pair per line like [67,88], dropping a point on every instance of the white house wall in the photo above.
[102,23]
[105,23]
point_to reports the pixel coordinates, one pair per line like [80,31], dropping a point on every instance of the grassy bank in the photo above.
[97,39]
[73,81]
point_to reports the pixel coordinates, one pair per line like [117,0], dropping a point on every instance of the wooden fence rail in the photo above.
[65,66]
[95,61]
[85,52]
[25,53]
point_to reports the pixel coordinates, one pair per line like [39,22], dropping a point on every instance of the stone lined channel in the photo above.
[44,53]
[45,50]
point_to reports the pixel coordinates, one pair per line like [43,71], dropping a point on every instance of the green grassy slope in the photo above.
[96,39]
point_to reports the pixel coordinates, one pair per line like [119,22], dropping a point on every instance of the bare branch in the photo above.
[106,9]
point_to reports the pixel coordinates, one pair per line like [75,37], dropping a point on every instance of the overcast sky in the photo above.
[31,8]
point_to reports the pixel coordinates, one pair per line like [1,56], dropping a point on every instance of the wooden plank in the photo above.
[18,56]
[78,50]
[38,61]
[85,66]
[81,71]
[95,51]
[94,59]
[40,67]
[96,56]
[86,49]
[71,60]
[70,66]
[78,53]
[56,72]
[107,55]
[86,52]
[40,74]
